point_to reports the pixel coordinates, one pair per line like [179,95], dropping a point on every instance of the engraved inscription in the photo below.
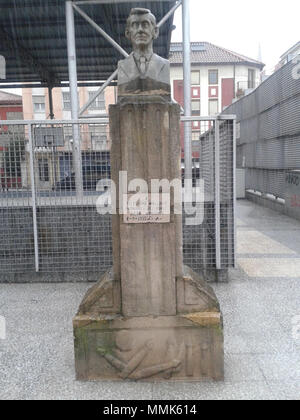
[146,208]
[146,218]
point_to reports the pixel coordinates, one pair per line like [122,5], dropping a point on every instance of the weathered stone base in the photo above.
[176,348]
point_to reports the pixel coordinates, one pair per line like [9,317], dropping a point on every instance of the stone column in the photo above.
[147,256]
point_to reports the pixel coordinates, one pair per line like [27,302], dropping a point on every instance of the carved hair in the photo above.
[140,11]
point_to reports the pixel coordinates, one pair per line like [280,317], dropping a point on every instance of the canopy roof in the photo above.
[33,38]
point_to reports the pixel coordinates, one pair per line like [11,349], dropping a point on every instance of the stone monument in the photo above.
[149,317]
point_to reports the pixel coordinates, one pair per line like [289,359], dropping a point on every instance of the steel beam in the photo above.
[98,92]
[169,14]
[115,1]
[101,31]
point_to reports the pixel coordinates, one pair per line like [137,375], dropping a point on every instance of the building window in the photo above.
[38,103]
[98,136]
[196,108]
[195,78]
[99,140]
[66,101]
[213,91]
[196,125]
[251,79]
[213,107]
[195,92]
[99,102]
[212,77]
[195,135]
[44,169]
[14,116]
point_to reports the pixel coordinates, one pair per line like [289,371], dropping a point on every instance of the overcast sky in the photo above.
[241,26]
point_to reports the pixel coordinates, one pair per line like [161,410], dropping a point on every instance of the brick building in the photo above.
[11,108]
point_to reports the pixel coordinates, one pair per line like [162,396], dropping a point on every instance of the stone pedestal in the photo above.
[181,347]
[148,318]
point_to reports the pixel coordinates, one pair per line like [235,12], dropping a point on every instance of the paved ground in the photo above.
[260,305]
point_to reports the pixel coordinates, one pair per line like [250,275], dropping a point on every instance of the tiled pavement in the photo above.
[260,304]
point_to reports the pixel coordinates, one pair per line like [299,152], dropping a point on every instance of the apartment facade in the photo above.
[36,107]
[289,55]
[54,163]
[218,78]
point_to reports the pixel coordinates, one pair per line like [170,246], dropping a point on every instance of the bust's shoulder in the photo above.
[161,60]
[125,60]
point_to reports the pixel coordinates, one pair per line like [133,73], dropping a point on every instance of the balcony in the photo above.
[244,88]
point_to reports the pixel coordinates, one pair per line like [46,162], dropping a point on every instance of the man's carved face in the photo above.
[141,31]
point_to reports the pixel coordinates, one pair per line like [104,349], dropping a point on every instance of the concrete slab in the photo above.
[271,267]
[254,242]
[262,355]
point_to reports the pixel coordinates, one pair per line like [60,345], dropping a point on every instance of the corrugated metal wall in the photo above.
[269,141]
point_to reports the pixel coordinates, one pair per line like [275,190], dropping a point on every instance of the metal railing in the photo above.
[48,226]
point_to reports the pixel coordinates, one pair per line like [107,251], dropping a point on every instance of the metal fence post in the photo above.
[234,189]
[187,87]
[217,195]
[77,165]
[33,198]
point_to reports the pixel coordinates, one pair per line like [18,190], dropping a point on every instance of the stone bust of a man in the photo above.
[143,70]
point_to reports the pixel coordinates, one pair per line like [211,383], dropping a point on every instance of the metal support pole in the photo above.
[187,87]
[51,114]
[98,92]
[234,191]
[169,14]
[217,195]
[77,166]
[33,198]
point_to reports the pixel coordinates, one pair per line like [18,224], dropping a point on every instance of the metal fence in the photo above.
[49,226]
[268,131]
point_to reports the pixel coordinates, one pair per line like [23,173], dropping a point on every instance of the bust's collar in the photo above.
[137,55]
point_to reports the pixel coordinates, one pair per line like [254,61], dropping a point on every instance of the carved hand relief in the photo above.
[134,362]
